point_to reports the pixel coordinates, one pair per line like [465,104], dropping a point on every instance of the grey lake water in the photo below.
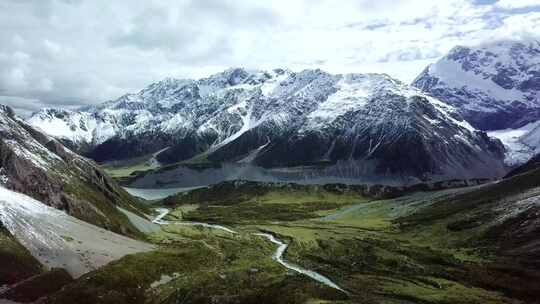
[184,177]
[157,193]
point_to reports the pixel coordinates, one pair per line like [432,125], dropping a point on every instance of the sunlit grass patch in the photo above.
[306,197]
[437,290]
[125,171]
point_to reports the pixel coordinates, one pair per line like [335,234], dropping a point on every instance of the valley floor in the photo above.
[421,248]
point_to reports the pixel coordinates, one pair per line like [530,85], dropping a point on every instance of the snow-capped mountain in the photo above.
[282,119]
[494,86]
[39,166]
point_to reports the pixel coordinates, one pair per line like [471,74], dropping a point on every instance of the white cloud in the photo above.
[509,4]
[73,52]
[524,26]
[23,106]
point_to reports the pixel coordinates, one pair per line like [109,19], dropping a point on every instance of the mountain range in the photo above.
[347,126]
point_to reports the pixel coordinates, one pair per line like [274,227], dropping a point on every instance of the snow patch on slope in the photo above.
[351,95]
[532,138]
[270,85]
[452,74]
[78,127]
[58,240]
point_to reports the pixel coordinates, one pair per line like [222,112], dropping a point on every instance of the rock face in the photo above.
[361,124]
[41,167]
[494,86]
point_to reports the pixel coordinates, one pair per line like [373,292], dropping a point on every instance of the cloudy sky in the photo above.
[67,53]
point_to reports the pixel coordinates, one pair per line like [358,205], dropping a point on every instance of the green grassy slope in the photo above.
[472,245]
[17,263]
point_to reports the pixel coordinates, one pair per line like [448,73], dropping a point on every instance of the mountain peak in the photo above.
[498,52]
[7,110]
[494,85]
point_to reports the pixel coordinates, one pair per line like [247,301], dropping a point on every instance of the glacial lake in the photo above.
[157,193]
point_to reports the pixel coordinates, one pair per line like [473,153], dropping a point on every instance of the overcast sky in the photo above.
[67,53]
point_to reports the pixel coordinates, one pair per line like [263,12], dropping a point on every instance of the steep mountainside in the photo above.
[41,167]
[367,123]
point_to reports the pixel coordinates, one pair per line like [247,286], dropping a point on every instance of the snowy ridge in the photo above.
[170,106]
[25,146]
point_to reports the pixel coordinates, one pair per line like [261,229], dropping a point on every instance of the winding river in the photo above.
[163,212]
[278,255]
